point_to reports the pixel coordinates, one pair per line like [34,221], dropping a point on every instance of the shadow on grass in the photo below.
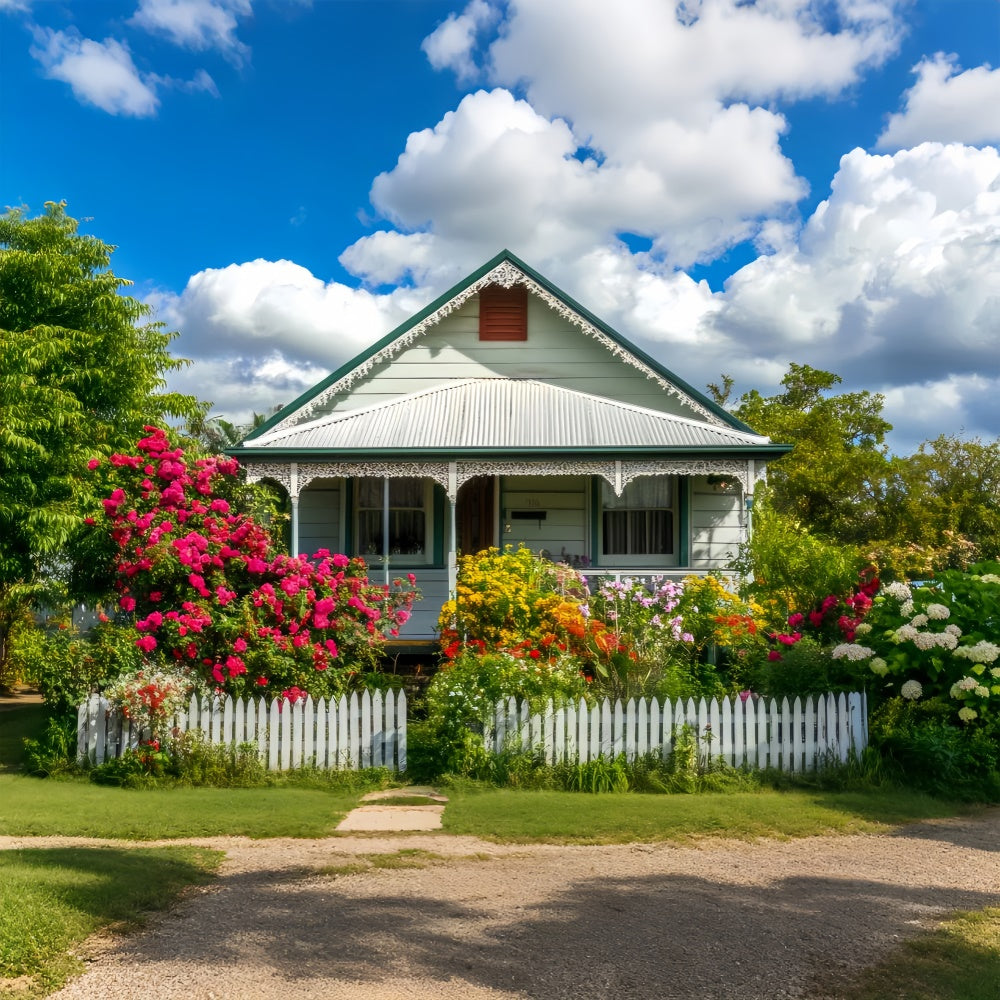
[116,883]
[17,723]
[658,935]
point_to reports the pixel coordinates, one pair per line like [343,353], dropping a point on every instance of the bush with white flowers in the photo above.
[936,641]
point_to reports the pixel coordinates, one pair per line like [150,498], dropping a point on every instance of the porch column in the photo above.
[452,529]
[385,528]
[294,497]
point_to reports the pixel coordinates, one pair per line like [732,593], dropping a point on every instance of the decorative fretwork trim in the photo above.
[307,472]
[451,477]
[506,275]
[690,467]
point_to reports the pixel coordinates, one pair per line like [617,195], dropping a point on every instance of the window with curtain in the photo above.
[408,501]
[641,521]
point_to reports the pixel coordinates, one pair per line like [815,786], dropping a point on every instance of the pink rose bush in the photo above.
[213,599]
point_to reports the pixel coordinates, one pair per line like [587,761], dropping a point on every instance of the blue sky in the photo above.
[732,185]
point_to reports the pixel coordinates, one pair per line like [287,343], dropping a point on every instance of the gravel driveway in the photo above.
[722,920]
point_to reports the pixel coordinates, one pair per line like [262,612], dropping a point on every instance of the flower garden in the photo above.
[206,602]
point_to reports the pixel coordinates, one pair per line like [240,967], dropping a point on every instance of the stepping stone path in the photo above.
[416,807]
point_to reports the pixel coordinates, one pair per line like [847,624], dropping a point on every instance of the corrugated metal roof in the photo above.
[502,413]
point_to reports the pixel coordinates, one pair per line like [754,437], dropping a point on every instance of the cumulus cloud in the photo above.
[496,173]
[947,105]
[100,73]
[452,43]
[196,24]
[263,331]
[647,118]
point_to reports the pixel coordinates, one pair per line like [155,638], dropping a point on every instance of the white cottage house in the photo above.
[506,413]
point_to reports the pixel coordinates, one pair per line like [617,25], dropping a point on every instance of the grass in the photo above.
[958,961]
[78,808]
[52,899]
[573,818]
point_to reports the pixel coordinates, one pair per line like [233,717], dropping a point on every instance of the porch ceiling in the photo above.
[503,413]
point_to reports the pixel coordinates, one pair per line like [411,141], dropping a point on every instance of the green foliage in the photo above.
[54,751]
[838,467]
[81,372]
[786,566]
[922,748]
[806,668]
[69,665]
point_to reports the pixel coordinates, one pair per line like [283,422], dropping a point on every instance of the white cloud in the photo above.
[640,117]
[263,331]
[197,24]
[100,73]
[451,44]
[946,105]
[495,173]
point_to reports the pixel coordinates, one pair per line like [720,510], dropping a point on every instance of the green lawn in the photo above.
[77,808]
[958,961]
[52,899]
[575,818]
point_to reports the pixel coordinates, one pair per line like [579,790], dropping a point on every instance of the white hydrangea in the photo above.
[967,714]
[982,692]
[905,633]
[851,651]
[965,684]
[938,612]
[898,590]
[907,609]
[911,690]
[928,640]
[995,671]
[953,629]
[879,666]
[981,652]
[863,628]
[919,621]
[988,578]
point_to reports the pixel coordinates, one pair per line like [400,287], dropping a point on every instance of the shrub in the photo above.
[207,591]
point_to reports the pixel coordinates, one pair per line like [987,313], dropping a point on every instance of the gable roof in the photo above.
[504,269]
[505,415]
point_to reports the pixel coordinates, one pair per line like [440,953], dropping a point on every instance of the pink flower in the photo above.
[412,577]
[773,654]
[341,561]
[146,643]
[795,619]
[240,645]
[127,603]
[93,464]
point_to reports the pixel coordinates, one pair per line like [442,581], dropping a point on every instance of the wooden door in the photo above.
[475,515]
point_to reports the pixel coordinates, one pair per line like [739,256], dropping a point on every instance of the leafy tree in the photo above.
[81,372]
[834,481]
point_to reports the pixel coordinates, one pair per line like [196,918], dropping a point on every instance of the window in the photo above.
[641,521]
[408,505]
[503,313]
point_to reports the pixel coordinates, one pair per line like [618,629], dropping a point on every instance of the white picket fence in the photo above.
[753,733]
[356,731]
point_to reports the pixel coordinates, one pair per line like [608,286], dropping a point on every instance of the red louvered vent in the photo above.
[503,313]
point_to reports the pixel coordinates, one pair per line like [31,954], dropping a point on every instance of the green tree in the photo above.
[834,482]
[82,370]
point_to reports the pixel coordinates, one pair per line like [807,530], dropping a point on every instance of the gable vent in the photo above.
[503,313]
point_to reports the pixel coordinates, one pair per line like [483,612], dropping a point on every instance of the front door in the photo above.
[475,514]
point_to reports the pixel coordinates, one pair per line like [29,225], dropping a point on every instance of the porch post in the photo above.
[452,529]
[385,529]
[294,496]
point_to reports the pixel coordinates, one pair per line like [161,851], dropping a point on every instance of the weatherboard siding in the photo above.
[320,517]
[715,526]
[564,532]
[556,351]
